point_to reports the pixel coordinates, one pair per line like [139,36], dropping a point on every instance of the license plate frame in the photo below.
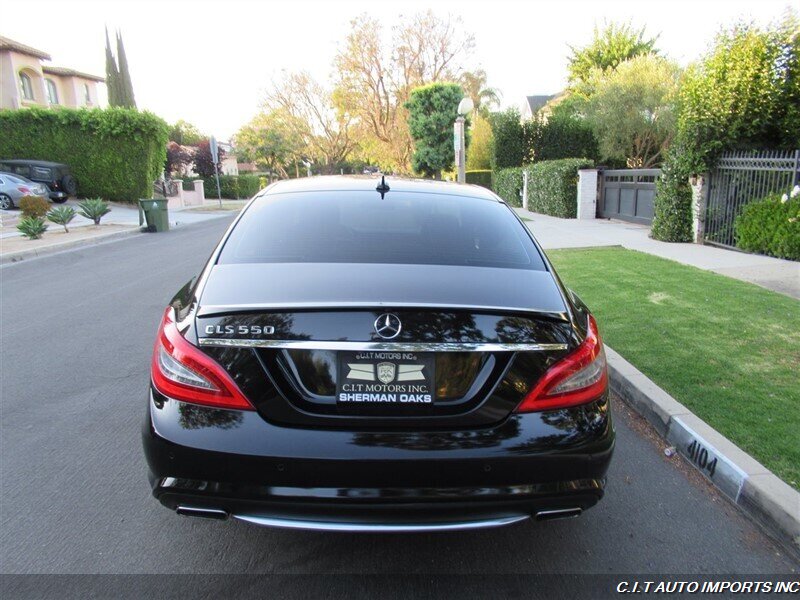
[385,383]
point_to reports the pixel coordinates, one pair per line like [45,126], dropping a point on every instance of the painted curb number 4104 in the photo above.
[700,457]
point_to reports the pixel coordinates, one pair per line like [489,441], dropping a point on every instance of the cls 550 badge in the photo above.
[239,330]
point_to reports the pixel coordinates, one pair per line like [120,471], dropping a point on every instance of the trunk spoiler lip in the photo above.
[211,310]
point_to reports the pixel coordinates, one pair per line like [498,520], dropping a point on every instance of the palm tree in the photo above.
[474,84]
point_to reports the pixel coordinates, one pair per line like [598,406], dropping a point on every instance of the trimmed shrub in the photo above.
[771,227]
[32,227]
[553,186]
[115,153]
[672,206]
[482,177]
[233,187]
[508,185]
[34,206]
[93,209]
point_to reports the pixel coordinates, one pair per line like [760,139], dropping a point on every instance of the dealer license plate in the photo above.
[385,383]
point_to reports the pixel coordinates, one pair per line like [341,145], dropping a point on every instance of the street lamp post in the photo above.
[459,140]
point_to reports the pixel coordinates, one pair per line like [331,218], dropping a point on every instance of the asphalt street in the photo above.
[77,333]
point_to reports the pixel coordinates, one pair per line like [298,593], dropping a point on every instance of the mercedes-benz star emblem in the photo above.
[388,326]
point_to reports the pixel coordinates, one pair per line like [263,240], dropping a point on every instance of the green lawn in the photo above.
[728,350]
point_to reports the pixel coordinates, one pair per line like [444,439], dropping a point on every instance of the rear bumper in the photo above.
[215,463]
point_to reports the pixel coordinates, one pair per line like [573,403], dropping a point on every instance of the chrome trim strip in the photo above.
[196,511]
[379,527]
[206,310]
[381,346]
[561,512]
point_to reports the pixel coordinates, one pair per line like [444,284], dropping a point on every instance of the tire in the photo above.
[6,203]
[59,200]
[69,184]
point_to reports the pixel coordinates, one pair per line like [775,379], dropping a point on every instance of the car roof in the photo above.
[14,176]
[366,183]
[35,163]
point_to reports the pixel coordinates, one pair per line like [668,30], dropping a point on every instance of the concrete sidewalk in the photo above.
[775,274]
[121,214]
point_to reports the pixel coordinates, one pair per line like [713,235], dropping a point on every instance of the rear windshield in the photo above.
[359,227]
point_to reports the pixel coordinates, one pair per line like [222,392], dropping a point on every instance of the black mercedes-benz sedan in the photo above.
[364,354]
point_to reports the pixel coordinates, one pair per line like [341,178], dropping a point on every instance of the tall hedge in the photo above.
[744,93]
[482,177]
[508,147]
[672,218]
[508,185]
[552,186]
[563,137]
[115,153]
[233,187]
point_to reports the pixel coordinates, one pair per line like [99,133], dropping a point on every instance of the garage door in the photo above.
[627,194]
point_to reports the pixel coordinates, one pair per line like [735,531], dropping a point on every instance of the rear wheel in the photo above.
[5,202]
[69,184]
[59,200]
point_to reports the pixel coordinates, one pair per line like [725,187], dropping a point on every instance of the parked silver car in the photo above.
[14,187]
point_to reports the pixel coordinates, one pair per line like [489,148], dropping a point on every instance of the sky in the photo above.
[209,62]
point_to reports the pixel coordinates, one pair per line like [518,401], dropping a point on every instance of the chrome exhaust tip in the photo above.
[560,513]
[204,513]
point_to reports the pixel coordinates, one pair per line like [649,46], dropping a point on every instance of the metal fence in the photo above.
[741,177]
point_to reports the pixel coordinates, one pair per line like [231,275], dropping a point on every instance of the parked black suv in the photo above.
[55,176]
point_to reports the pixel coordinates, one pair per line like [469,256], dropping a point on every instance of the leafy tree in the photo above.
[203,161]
[376,72]
[186,134]
[178,158]
[312,118]
[480,147]
[432,109]
[631,110]
[612,45]
[508,149]
[483,97]
[745,93]
[270,140]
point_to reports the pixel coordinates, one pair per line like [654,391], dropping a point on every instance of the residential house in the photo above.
[26,81]
[532,104]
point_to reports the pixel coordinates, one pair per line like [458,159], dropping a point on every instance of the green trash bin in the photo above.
[154,212]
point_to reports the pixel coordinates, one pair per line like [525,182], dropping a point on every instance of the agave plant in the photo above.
[94,209]
[62,215]
[32,227]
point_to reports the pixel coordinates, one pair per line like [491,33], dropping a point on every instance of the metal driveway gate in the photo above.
[628,194]
[739,178]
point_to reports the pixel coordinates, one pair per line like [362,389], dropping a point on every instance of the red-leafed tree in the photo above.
[203,163]
[178,158]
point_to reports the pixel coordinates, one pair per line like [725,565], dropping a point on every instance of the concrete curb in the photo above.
[756,490]
[14,257]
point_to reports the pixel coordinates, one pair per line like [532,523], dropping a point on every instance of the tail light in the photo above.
[180,371]
[24,190]
[578,378]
